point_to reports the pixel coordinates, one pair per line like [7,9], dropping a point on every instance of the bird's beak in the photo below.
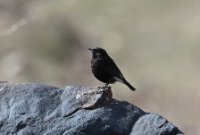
[90,49]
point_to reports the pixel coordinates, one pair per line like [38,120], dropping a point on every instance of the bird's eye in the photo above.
[97,54]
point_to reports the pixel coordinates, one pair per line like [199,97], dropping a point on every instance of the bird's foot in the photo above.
[104,87]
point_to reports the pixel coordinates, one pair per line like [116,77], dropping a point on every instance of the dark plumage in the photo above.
[105,69]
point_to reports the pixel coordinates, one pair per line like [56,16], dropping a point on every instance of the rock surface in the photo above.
[34,109]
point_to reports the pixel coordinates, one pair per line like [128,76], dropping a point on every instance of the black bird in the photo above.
[105,69]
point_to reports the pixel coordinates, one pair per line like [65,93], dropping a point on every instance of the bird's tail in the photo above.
[129,85]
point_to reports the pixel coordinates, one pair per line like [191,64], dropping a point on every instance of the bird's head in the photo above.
[98,52]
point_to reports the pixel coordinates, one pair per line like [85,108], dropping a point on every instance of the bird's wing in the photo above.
[111,68]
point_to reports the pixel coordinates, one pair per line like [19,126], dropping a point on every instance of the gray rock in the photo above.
[154,124]
[34,109]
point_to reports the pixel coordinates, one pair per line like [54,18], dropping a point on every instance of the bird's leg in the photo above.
[106,85]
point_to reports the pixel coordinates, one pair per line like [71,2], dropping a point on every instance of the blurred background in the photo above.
[155,43]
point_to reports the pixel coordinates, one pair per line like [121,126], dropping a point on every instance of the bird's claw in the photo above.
[104,87]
